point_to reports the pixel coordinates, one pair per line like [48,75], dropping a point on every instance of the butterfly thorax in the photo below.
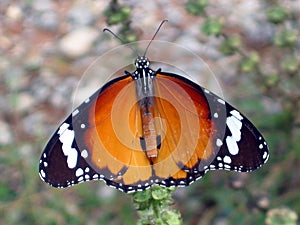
[143,77]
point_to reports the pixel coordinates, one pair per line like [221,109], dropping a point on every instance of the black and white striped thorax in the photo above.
[143,77]
[143,70]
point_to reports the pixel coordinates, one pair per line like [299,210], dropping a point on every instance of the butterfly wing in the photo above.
[232,141]
[86,147]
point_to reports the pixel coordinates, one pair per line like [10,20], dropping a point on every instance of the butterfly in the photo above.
[150,127]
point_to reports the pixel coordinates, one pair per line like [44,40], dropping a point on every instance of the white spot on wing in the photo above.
[232,145]
[219,143]
[66,137]
[235,125]
[62,128]
[79,172]
[76,111]
[236,114]
[221,101]
[227,167]
[265,155]
[42,173]
[227,159]
[84,153]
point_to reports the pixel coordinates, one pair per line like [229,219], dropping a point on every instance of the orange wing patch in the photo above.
[189,129]
[181,119]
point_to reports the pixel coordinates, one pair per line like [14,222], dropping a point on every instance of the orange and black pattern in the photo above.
[170,132]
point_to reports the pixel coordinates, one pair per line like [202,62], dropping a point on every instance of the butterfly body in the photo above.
[150,127]
[143,77]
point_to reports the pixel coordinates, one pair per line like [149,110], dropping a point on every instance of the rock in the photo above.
[25,102]
[47,20]
[34,124]
[42,5]
[62,96]
[81,16]
[78,42]
[43,15]
[6,136]
[14,12]
[15,78]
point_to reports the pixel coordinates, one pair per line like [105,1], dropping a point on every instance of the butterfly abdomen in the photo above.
[149,140]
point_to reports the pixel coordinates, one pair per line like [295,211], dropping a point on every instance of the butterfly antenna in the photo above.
[121,40]
[160,25]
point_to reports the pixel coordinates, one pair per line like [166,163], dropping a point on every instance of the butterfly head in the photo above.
[142,62]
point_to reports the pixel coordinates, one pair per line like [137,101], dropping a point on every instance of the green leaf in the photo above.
[281,216]
[196,7]
[230,45]
[277,14]
[286,38]
[212,27]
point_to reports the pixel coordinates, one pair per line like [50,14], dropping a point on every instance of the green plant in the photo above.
[153,206]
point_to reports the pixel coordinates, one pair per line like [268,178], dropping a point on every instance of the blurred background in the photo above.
[251,46]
